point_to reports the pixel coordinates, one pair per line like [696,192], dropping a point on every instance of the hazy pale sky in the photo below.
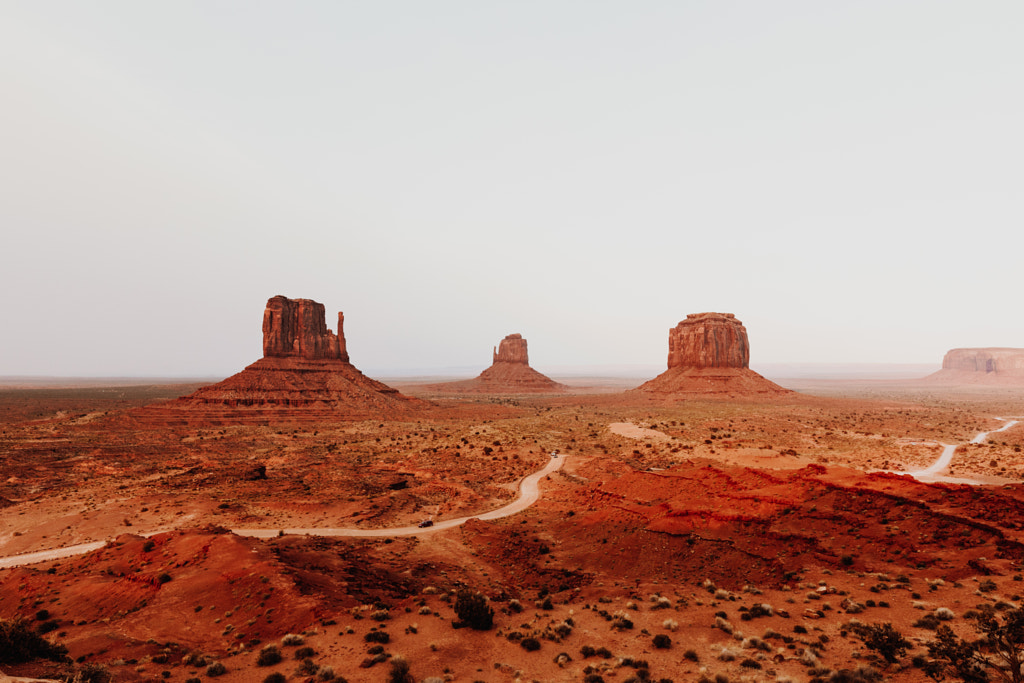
[845,177]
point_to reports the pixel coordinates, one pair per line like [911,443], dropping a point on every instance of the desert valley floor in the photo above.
[729,539]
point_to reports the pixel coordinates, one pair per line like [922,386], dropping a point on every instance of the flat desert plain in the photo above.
[680,540]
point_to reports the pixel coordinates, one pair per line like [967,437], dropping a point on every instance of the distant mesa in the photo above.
[709,355]
[510,373]
[305,374]
[997,366]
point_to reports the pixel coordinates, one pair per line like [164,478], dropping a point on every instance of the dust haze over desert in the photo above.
[481,342]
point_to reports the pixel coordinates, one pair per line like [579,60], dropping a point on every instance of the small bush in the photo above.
[304,652]
[750,664]
[399,672]
[662,642]
[670,624]
[886,641]
[292,639]
[473,611]
[19,643]
[691,655]
[530,644]
[216,669]
[276,677]
[377,637]
[268,656]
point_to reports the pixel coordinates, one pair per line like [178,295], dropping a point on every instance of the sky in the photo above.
[844,177]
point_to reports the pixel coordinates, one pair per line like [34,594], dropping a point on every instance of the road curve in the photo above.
[932,472]
[529,493]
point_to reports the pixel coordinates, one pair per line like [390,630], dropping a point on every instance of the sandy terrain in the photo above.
[661,512]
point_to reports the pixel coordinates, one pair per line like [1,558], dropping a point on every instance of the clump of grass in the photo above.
[670,625]
[268,656]
[292,639]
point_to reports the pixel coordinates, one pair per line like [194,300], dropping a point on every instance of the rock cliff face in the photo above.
[298,328]
[996,366]
[708,356]
[709,340]
[304,375]
[510,373]
[512,349]
[998,360]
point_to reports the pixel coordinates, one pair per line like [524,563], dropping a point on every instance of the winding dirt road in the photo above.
[932,472]
[529,493]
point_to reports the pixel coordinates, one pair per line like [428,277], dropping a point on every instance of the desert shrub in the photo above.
[928,621]
[276,677]
[662,642]
[515,606]
[799,629]
[562,658]
[47,626]
[472,610]
[987,586]
[216,669]
[304,652]
[148,545]
[164,577]
[593,678]
[377,637]
[944,614]
[326,673]
[862,674]
[723,624]
[727,654]
[587,651]
[670,624]
[885,640]
[750,664]
[268,656]
[19,643]
[91,673]
[307,667]
[292,639]
[999,650]
[380,615]
[42,615]
[691,655]
[399,672]
[530,644]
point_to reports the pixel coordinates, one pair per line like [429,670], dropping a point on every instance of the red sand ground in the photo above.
[736,503]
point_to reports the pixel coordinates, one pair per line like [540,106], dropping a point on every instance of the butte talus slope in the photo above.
[708,356]
[305,374]
[510,373]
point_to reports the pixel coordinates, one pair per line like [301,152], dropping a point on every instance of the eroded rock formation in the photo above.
[298,327]
[709,340]
[305,374]
[981,366]
[998,360]
[709,355]
[510,373]
[512,349]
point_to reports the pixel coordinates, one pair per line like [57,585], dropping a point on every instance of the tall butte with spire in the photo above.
[709,355]
[510,373]
[305,374]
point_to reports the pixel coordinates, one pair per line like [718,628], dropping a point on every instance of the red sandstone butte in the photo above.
[510,373]
[305,374]
[709,355]
[1000,366]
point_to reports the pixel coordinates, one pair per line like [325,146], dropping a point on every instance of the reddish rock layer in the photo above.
[997,366]
[708,355]
[512,349]
[709,340]
[298,327]
[304,375]
[509,374]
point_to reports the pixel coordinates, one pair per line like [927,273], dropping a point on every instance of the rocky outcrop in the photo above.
[998,360]
[709,340]
[510,373]
[512,349]
[708,356]
[304,375]
[298,328]
[997,366]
